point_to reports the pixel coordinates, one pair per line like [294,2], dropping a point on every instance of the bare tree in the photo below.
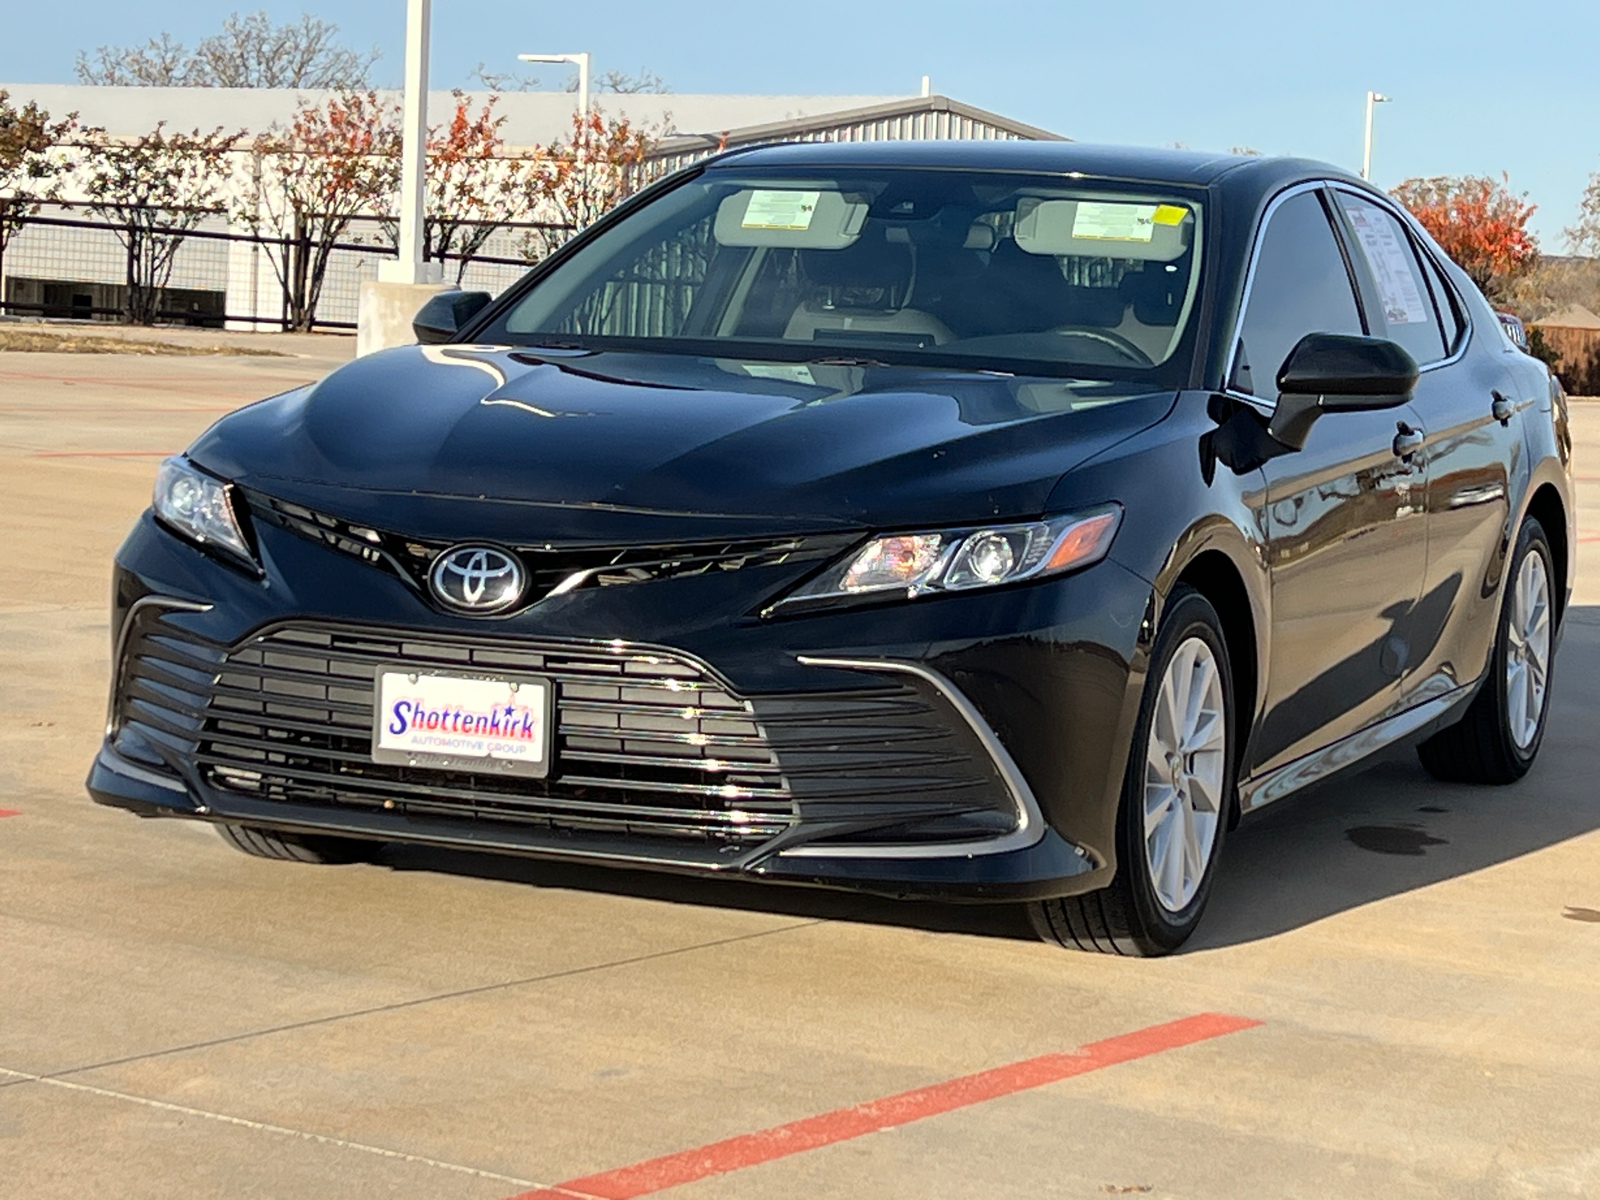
[335,162]
[645,82]
[249,52]
[505,81]
[1584,237]
[30,163]
[152,190]
[160,62]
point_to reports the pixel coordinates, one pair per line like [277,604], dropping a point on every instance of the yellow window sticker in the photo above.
[1169,214]
[780,210]
[1114,222]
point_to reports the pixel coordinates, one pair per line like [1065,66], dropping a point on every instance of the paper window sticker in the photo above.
[1101,221]
[788,372]
[1393,268]
[773,209]
[1169,214]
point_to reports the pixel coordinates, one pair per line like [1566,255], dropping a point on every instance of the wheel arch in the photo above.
[1549,509]
[1214,575]
[1220,559]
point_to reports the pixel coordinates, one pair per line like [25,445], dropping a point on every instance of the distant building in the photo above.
[220,276]
[1574,334]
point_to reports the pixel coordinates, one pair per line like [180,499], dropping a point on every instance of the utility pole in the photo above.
[1366,153]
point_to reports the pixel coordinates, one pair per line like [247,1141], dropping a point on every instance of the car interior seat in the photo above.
[860,294]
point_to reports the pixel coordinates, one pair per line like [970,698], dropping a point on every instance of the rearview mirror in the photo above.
[1335,372]
[446,314]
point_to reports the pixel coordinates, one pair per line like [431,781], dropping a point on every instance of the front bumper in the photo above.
[961,748]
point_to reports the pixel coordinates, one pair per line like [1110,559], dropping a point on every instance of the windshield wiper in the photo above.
[553,344]
[845,360]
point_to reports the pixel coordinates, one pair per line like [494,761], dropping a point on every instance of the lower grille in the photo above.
[646,743]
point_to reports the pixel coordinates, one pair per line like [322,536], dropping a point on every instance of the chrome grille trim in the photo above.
[649,744]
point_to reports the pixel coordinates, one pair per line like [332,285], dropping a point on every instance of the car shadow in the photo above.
[1363,837]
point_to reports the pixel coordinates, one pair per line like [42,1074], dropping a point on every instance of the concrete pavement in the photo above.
[179,1020]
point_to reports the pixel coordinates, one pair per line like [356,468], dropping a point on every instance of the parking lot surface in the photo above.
[1395,992]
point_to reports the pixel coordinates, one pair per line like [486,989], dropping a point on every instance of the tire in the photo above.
[1496,740]
[297,847]
[1147,910]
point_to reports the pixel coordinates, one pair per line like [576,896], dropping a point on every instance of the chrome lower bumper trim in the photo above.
[1030,821]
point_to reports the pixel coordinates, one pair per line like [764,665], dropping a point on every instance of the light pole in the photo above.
[1366,153]
[409,267]
[582,61]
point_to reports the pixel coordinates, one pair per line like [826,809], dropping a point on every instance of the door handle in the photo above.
[1407,442]
[1504,408]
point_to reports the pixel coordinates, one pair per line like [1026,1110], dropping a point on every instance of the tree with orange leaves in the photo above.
[572,184]
[336,161]
[469,189]
[1480,223]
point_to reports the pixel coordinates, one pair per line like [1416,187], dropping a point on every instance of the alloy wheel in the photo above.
[1527,650]
[1185,764]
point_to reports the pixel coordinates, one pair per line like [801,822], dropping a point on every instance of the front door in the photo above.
[1468,399]
[1343,521]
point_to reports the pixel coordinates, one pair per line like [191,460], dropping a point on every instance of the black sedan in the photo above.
[962,520]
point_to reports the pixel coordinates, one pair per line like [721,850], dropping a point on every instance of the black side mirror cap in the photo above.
[1336,372]
[446,314]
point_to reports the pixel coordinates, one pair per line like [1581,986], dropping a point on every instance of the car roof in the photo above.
[1187,167]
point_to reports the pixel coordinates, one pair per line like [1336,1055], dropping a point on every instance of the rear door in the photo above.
[1468,402]
[1343,523]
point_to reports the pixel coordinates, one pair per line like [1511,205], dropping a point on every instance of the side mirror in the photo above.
[1335,372]
[445,314]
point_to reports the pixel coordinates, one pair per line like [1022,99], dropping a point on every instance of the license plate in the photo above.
[462,722]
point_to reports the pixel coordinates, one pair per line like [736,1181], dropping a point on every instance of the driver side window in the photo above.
[1301,286]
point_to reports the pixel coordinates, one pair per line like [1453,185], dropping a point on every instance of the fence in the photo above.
[68,263]
[1579,368]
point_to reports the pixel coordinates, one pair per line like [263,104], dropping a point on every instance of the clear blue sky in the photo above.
[1478,87]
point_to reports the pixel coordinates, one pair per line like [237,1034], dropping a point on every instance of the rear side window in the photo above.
[1301,285]
[1445,303]
[1409,315]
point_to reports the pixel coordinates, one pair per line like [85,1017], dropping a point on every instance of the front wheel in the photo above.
[297,847]
[1175,799]
[1499,735]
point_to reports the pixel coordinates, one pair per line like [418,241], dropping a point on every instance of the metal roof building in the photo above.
[921,118]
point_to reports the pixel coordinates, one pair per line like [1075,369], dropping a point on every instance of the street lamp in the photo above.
[1366,153]
[582,60]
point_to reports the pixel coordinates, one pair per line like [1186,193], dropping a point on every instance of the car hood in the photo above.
[600,443]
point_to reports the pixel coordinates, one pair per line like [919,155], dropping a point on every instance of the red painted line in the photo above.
[1589,537]
[751,1149]
[103,453]
[10,812]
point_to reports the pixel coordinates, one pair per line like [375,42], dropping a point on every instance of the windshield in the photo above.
[992,270]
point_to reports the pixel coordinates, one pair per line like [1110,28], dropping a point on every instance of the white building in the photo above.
[75,269]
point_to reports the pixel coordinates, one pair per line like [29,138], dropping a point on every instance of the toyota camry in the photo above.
[973,521]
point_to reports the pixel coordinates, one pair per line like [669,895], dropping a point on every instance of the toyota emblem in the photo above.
[476,579]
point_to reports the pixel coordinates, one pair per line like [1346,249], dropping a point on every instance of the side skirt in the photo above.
[1319,764]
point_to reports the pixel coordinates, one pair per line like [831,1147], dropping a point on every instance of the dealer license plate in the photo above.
[462,722]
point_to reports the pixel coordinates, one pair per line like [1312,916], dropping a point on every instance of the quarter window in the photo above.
[1445,302]
[1301,285]
[1409,315]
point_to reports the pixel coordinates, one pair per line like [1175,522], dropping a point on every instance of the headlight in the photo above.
[914,564]
[197,506]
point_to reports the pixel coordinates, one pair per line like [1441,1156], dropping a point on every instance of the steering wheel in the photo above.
[1115,340]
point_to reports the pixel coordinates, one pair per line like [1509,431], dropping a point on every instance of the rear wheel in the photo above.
[297,847]
[1498,737]
[1175,799]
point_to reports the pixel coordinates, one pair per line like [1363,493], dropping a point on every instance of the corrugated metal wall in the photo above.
[909,127]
